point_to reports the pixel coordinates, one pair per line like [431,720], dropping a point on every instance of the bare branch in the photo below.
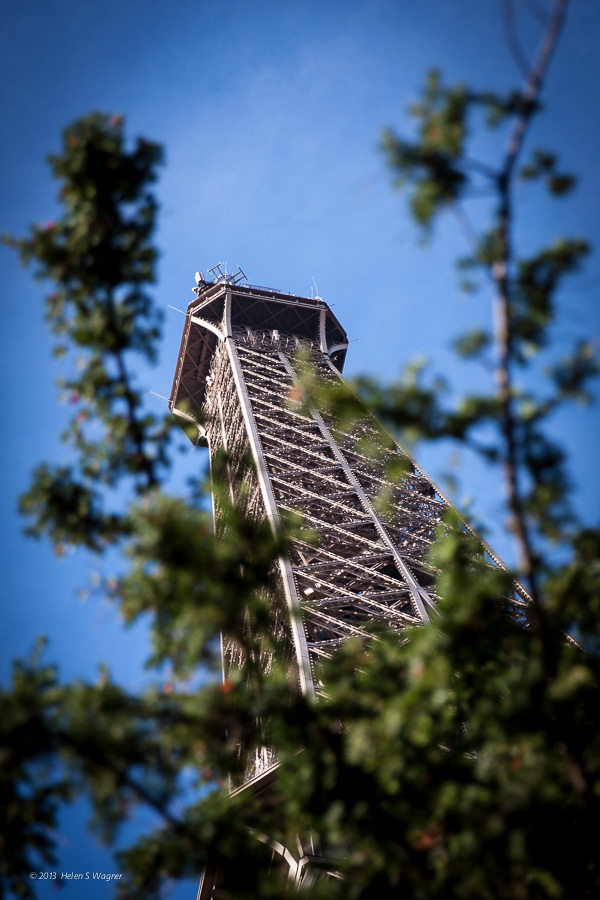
[477,166]
[534,82]
[503,331]
[509,20]
[467,228]
[537,11]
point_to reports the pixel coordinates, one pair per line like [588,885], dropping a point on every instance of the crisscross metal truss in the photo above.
[362,571]
[352,568]
[226,430]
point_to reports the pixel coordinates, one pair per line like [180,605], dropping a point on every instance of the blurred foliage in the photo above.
[460,761]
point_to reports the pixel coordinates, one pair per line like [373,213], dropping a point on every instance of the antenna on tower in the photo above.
[317,295]
[218,273]
[224,277]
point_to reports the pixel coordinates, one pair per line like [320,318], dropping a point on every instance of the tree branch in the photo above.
[510,36]
[136,429]
[503,329]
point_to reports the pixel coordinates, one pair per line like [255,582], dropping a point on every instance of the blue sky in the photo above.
[271,114]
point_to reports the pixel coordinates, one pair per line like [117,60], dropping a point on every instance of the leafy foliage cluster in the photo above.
[458,762]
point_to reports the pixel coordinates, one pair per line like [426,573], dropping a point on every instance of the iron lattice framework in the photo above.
[238,366]
[237,373]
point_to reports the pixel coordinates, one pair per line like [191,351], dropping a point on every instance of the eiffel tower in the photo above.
[236,385]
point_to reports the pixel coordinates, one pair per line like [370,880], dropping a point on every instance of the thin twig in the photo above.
[124,780]
[469,233]
[537,11]
[468,229]
[477,166]
[534,83]
[510,36]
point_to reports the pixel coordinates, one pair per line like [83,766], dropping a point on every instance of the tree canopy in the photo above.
[460,761]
